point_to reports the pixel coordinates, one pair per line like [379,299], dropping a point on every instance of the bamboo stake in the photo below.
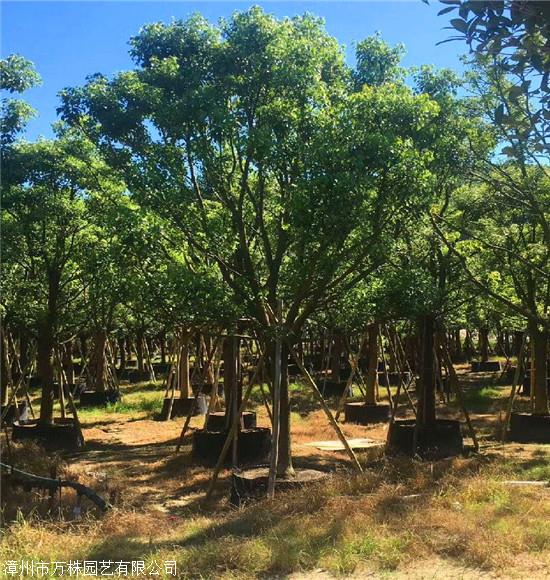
[460,393]
[517,374]
[383,353]
[327,411]
[276,410]
[344,397]
[227,444]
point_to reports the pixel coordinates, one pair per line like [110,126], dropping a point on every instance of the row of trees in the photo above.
[243,165]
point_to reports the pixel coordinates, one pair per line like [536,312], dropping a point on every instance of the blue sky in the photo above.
[69,40]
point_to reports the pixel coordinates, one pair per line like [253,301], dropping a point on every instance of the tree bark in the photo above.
[484,343]
[284,456]
[371,397]
[46,371]
[68,367]
[426,406]
[539,343]
[336,355]
[162,345]
[97,362]
[139,351]
[183,369]
[121,353]
[5,374]
[457,343]
[231,373]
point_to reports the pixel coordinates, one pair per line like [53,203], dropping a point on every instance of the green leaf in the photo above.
[445,10]
[459,24]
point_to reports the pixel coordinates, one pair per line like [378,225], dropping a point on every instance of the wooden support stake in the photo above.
[519,366]
[276,410]
[383,354]
[327,411]
[227,445]
[459,392]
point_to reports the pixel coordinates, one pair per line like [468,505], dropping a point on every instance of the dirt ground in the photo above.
[130,457]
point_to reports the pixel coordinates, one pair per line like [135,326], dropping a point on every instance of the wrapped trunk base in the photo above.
[489,366]
[216,421]
[181,408]
[15,412]
[62,435]
[364,414]
[528,428]
[98,398]
[134,375]
[207,388]
[444,439]
[526,385]
[394,378]
[332,388]
[251,484]
[161,368]
[253,446]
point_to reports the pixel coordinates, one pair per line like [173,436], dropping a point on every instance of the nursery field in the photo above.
[467,517]
[274,302]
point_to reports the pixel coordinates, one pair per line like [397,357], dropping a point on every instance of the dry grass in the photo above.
[460,513]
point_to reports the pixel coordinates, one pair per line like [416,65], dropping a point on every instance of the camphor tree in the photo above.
[508,80]
[107,271]
[45,189]
[251,139]
[17,74]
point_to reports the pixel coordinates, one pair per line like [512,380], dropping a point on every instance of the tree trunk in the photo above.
[372,370]
[336,355]
[139,351]
[391,352]
[122,353]
[457,343]
[5,370]
[46,372]
[484,344]
[284,456]
[162,344]
[128,349]
[183,370]
[97,362]
[468,344]
[231,373]
[426,404]
[83,348]
[67,361]
[539,343]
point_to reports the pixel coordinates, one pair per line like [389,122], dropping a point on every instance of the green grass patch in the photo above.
[481,400]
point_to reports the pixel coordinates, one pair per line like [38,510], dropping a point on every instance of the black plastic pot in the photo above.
[443,439]
[529,428]
[161,368]
[526,385]
[133,375]
[14,412]
[332,388]
[98,399]
[216,421]
[293,370]
[394,378]
[253,446]
[489,366]
[359,412]
[61,435]
[251,484]
[180,408]
[207,388]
